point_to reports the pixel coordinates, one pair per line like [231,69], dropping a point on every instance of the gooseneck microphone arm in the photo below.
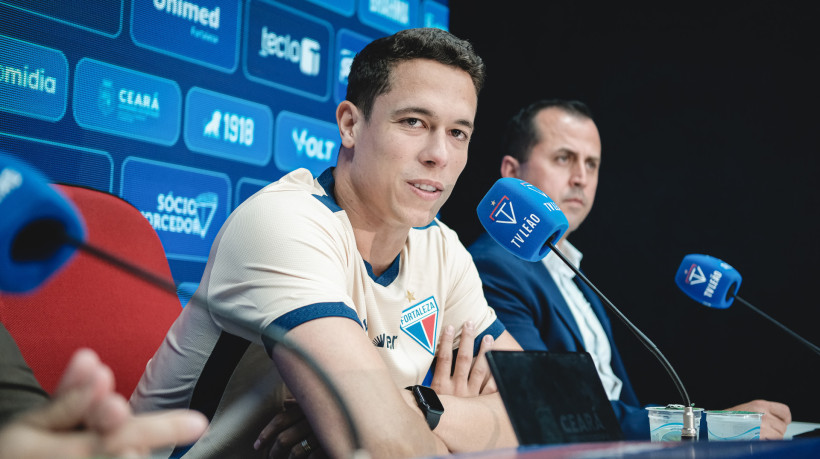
[688,432]
[783,327]
[277,335]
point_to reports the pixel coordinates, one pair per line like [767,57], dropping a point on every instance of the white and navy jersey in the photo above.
[286,256]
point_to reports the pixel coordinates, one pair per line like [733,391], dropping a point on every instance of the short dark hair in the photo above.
[372,67]
[522,134]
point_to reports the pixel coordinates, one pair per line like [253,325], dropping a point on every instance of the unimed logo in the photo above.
[305,52]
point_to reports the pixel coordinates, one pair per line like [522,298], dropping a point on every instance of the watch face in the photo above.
[430,398]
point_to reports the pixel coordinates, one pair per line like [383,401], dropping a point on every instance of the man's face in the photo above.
[408,156]
[564,164]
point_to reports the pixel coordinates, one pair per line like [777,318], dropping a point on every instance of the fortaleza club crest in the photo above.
[420,322]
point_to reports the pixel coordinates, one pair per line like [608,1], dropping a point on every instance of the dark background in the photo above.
[709,124]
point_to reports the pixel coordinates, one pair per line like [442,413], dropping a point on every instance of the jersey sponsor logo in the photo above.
[420,322]
[386,341]
[33,80]
[694,275]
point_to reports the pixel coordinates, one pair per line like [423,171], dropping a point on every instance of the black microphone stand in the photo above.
[688,432]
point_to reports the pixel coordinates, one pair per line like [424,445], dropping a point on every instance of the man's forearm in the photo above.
[475,424]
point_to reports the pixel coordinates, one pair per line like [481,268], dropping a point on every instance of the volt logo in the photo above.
[312,146]
[304,52]
[503,212]
[301,141]
[694,275]
[420,322]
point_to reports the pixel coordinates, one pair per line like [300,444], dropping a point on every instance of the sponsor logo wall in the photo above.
[184,108]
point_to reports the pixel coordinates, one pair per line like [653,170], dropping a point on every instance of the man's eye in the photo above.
[459,134]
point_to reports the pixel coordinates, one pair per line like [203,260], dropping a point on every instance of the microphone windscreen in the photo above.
[708,280]
[521,218]
[35,222]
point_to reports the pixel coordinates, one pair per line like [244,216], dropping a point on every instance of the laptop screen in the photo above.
[553,397]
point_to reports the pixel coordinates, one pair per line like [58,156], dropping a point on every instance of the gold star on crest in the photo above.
[492,203]
[410,296]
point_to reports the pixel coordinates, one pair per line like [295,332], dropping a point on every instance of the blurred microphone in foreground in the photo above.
[85,418]
[714,283]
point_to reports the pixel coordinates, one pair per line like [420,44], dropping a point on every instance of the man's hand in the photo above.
[289,435]
[87,418]
[776,417]
[469,378]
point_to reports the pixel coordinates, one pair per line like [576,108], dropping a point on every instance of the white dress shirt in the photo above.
[595,340]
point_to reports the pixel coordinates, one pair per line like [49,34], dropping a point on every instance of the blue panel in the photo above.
[205,32]
[305,142]
[124,102]
[348,44]
[33,80]
[99,16]
[246,187]
[228,127]
[389,16]
[435,14]
[63,163]
[343,7]
[186,206]
[289,50]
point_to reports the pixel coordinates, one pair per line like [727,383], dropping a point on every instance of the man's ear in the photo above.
[510,167]
[347,116]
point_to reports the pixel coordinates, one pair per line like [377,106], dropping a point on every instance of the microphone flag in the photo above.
[35,222]
[521,218]
[708,280]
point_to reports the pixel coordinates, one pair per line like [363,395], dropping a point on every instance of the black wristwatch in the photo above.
[429,404]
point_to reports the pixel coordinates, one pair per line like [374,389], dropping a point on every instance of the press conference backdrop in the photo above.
[184,108]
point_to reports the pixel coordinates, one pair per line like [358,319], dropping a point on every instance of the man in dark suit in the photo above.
[555,145]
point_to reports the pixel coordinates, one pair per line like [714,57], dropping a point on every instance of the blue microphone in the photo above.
[36,219]
[707,280]
[521,218]
[526,222]
[714,283]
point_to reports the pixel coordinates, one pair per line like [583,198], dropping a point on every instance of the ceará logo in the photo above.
[305,52]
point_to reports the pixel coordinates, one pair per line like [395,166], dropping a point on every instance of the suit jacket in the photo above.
[530,305]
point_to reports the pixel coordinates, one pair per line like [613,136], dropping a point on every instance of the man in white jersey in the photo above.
[354,265]
[555,145]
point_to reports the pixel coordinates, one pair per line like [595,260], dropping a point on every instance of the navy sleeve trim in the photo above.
[292,319]
[495,330]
